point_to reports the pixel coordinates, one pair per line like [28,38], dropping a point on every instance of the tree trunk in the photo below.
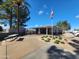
[10,21]
[18,18]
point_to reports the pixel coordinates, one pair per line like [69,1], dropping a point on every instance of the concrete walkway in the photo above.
[2,52]
[18,48]
[38,54]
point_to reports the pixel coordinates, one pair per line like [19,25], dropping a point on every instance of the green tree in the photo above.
[1,1]
[64,25]
[6,6]
[17,9]
[21,12]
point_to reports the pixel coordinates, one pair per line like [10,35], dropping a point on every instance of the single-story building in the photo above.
[47,30]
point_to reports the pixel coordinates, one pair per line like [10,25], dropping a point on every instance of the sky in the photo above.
[63,10]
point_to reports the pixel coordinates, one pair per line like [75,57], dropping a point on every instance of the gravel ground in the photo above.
[33,46]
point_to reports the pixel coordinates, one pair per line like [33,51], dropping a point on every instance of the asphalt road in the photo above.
[50,52]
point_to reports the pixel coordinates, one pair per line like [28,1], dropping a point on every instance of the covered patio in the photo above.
[48,30]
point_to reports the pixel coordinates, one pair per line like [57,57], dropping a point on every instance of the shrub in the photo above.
[50,36]
[42,38]
[57,41]
[46,38]
[60,37]
[56,37]
[62,42]
[53,37]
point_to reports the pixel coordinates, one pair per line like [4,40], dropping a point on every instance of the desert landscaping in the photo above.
[28,44]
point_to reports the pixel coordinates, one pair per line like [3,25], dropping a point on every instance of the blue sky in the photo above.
[63,10]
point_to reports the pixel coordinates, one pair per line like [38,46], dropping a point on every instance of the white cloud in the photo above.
[36,25]
[77,16]
[40,12]
[40,25]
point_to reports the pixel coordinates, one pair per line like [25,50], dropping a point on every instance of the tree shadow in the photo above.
[56,53]
[12,36]
[76,46]
[3,36]
[20,39]
[75,41]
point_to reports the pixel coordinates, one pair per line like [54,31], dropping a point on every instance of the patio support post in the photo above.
[52,31]
[38,30]
[46,31]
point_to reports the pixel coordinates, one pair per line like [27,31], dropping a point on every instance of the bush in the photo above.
[50,36]
[57,41]
[53,37]
[60,37]
[46,38]
[62,42]
[42,38]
